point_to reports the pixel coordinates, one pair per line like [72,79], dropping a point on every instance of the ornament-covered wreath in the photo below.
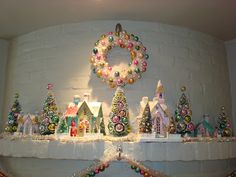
[119,76]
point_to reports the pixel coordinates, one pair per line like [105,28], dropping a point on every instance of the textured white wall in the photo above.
[60,55]
[3,63]
[231,57]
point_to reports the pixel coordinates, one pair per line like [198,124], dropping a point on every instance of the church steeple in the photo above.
[160,91]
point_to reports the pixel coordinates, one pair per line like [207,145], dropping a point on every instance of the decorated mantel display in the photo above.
[183,113]
[119,116]
[13,115]
[204,128]
[224,125]
[28,124]
[49,117]
[83,118]
[119,75]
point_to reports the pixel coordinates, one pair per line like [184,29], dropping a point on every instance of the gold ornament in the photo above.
[127,37]
[133,54]
[99,73]
[131,81]
[183,88]
[130,71]
[92,60]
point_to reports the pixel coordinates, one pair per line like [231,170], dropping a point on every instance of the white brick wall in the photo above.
[231,56]
[60,55]
[3,63]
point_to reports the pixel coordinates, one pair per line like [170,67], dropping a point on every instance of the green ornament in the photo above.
[96,43]
[136,38]
[133,167]
[95,50]
[117,74]
[178,118]
[124,120]
[146,56]
[137,70]
[137,47]
[110,38]
[55,119]
[137,170]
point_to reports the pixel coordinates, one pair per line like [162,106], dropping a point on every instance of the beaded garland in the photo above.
[120,76]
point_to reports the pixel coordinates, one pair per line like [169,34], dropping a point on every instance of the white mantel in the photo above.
[155,151]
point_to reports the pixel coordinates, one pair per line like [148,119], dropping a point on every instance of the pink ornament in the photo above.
[190,126]
[144,48]
[142,172]
[144,63]
[96,171]
[183,112]
[105,74]
[109,68]
[135,62]
[120,41]
[130,45]
[119,81]
[115,119]
[50,86]
[110,33]
[98,57]
[144,69]
[140,55]
[103,42]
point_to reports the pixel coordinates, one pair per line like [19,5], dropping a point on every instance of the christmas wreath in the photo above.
[119,75]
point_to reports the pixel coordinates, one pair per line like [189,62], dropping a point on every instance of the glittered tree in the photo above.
[13,115]
[172,126]
[102,127]
[119,117]
[145,125]
[183,115]
[50,115]
[224,127]
[63,127]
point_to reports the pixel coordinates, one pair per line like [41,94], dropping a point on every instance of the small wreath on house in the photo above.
[119,75]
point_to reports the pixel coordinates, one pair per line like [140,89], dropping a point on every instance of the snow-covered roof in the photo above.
[73,109]
[95,107]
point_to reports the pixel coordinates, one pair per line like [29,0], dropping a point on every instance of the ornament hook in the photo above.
[118,28]
[119,150]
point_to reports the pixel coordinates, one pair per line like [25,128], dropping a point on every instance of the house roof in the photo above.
[73,109]
[163,106]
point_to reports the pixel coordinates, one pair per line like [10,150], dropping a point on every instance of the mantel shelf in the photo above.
[141,151]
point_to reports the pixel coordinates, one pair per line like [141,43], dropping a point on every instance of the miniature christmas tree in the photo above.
[119,117]
[224,127]
[50,115]
[102,127]
[145,125]
[183,115]
[13,115]
[172,126]
[63,127]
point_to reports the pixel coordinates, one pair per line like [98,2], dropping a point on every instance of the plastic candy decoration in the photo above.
[121,76]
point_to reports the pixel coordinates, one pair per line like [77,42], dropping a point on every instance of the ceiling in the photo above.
[214,17]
